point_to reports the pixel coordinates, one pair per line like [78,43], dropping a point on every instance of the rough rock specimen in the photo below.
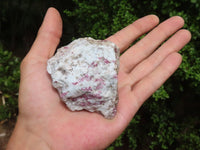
[85,75]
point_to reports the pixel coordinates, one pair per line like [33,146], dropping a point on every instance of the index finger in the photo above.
[127,35]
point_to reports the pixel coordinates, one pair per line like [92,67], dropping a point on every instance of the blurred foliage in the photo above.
[21,19]
[170,119]
[9,84]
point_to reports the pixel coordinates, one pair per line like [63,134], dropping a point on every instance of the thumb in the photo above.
[48,36]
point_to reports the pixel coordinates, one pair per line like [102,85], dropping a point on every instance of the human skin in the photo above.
[45,123]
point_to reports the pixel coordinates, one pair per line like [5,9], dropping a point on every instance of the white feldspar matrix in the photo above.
[85,74]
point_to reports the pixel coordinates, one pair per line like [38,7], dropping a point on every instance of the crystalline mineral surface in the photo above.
[85,75]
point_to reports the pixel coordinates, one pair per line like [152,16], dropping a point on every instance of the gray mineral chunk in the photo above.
[85,74]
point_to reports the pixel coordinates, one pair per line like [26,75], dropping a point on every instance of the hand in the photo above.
[44,122]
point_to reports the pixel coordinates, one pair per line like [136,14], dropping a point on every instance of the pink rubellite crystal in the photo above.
[85,74]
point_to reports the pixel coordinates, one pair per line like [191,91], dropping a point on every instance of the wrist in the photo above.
[22,139]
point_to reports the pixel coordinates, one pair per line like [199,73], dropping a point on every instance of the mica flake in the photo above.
[85,74]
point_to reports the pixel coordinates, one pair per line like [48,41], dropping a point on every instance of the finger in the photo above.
[149,43]
[174,44]
[126,36]
[154,80]
[48,35]
[131,99]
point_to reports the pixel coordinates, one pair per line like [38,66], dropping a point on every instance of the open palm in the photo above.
[144,67]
